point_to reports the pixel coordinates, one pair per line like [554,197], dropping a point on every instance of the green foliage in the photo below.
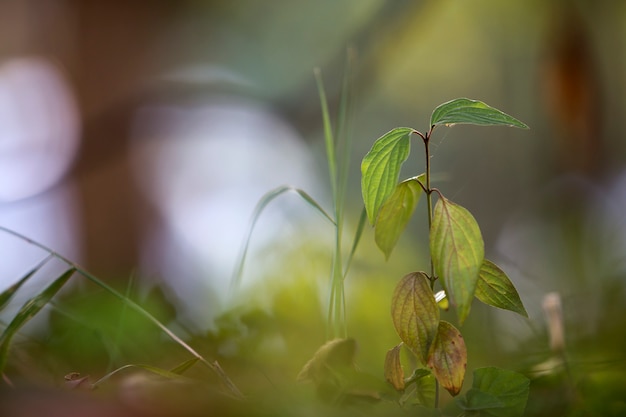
[496,392]
[35,304]
[421,391]
[457,258]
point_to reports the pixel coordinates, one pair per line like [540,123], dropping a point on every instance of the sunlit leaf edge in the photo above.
[468,111]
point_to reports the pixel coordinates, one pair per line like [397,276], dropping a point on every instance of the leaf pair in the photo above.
[457,251]
[437,344]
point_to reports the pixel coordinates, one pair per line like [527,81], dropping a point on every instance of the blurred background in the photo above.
[136,138]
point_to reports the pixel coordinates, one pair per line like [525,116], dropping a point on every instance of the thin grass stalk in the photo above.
[344,148]
[344,131]
[336,308]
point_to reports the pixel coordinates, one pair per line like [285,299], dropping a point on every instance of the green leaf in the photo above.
[476,400]
[422,392]
[448,358]
[494,288]
[415,314]
[466,111]
[457,250]
[497,392]
[380,168]
[27,312]
[393,368]
[396,212]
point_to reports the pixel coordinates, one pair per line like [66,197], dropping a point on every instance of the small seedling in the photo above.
[457,263]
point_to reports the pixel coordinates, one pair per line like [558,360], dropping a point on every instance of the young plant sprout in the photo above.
[457,263]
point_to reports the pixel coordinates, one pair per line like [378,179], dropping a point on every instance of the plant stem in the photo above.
[429,202]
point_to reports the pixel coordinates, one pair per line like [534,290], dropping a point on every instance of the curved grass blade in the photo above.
[467,111]
[263,202]
[356,240]
[7,294]
[152,369]
[380,168]
[182,368]
[28,311]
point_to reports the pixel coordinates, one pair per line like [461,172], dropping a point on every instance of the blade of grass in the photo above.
[182,368]
[356,240]
[152,369]
[263,202]
[214,366]
[338,149]
[343,134]
[336,307]
[28,311]
[7,294]
[328,134]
